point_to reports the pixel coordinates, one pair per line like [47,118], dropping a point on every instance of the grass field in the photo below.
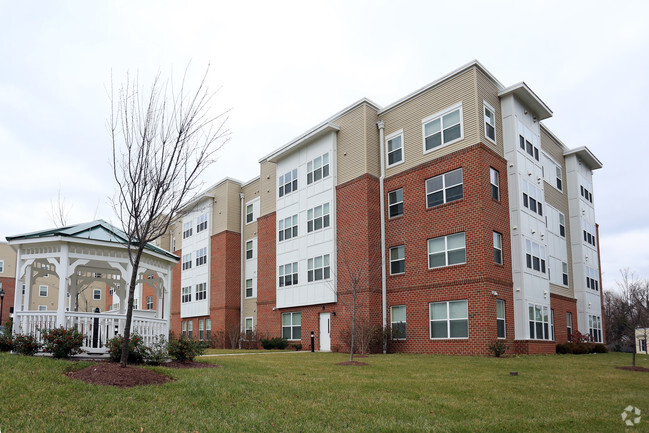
[308,392]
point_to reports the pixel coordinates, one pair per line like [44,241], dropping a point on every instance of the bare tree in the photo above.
[59,211]
[163,140]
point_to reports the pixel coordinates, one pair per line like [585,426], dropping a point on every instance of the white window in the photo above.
[288,183]
[42,308]
[318,268]
[149,302]
[449,319]
[500,318]
[249,325]
[250,213]
[317,218]
[395,202]
[288,275]
[186,295]
[2,266]
[595,328]
[208,328]
[287,228]
[249,288]
[528,147]
[398,322]
[539,321]
[443,128]
[532,197]
[187,261]
[562,225]
[589,237]
[201,256]
[201,291]
[187,229]
[397,260]
[498,248]
[643,345]
[489,122]
[592,278]
[446,251]
[535,256]
[317,169]
[292,326]
[495,183]
[394,144]
[201,223]
[96,294]
[201,332]
[569,325]
[190,328]
[444,188]
[249,250]
[42,291]
[586,194]
[551,324]
[184,327]
[559,178]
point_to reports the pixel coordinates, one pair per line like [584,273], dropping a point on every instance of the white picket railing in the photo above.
[97,328]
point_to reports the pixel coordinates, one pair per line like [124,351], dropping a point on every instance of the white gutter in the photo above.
[242,276]
[381,126]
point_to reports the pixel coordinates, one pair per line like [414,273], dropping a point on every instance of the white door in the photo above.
[325,332]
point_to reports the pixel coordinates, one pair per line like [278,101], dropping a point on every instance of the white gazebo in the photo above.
[78,255]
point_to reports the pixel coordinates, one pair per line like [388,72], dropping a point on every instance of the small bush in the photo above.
[297,346]
[497,348]
[184,349]
[6,339]
[26,344]
[136,349]
[581,348]
[157,353]
[274,343]
[62,342]
[599,348]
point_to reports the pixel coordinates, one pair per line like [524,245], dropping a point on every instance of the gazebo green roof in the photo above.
[98,230]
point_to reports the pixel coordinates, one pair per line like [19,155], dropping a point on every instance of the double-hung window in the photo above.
[249,250]
[500,318]
[186,295]
[201,223]
[394,144]
[442,128]
[562,225]
[395,203]
[397,260]
[535,256]
[96,294]
[42,291]
[528,147]
[201,291]
[489,122]
[539,321]
[586,194]
[449,319]
[592,278]
[446,250]
[318,268]
[498,248]
[569,325]
[398,322]
[564,273]
[149,302]
[249,288]
[559,178]
[317,218]
[288,274]
[494,176]
[292,326]
[201,256]
[532,197]
[287,228]
[201,332]
[187,261]
[288,183]
[184,327]
[190,329]
[2,266]
[187,229]
[317,169]
[595,328]
[250,213]
[444,188]
[208,328]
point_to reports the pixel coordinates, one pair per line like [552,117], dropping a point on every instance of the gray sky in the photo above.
[285,66]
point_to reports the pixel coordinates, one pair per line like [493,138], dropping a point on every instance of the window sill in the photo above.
[455,339]
[396,217]
[447,266]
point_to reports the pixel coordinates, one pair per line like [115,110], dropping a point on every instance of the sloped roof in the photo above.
[98,230]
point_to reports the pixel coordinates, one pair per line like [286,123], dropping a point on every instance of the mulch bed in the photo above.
[110,373]
[176,364]
[634,368]
[356,363]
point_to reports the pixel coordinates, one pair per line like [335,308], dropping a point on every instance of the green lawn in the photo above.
[308,392]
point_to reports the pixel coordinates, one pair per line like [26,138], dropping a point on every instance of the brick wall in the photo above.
[268,321]
[562,305]
[175,295]
[8,285]
[225,285]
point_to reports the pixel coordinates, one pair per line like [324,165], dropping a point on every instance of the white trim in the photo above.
[448,319]
[93,294]
[42,309]
[47,291]
[398,260]
[403,148]
[439,115]
[392,322]
[2,266]
[253,324]
[484,118]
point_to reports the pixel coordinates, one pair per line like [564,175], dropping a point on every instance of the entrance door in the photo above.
[325,332]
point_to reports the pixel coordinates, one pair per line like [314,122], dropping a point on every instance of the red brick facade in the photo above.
[268,321]
[562,305]
[8,285]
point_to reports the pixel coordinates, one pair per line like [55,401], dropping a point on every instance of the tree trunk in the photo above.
[129,309]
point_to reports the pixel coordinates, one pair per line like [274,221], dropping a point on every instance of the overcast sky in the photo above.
[286,66]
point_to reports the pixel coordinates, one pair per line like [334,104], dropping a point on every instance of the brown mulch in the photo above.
[111,373]
[634,368]
[357,363]
[176,364]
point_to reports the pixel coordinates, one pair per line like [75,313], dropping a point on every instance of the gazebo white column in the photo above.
[18,294]
[62,271]
[166,293]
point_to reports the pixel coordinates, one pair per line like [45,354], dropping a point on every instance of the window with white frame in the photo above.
[551,324]
[500,318]
[201,330]
[642,343]
[186,294]
[395,203]
[201,291]
[592,278]
[595,328]
[250,213]
[149,302]
[444,188]
[498,248]
[317,218]
[288,183]
[42,308]
[2,266]
[532,197]
[449,319]
[534,256]
[443,128]
[539,321]
[317,169]
[201,223]
[288,228]
[42,291]
[292,326]
[564,273]
[201,256]
[208,328]
[398,322]
[446,250]
[190,328]
[249,288]
[249,326]
[96,294]
[288,275]
[397,260]
[528,147]
[586,194]
[187,261]
[559,178]
[562,225]
[569,325]
[589,237]
[249,250]
[187,229]
[489,122]
[394,145]
[318,268]
[184,327]
[494,176]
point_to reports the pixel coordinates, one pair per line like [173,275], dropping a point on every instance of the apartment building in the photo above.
[453,216]
[7,279]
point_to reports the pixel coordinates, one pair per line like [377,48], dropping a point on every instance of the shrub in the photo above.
[250,340]
[184,349]
[497,348]
[157,353]
[26,344]
[581,348]
[6,339]
[62,342]
[274,343]
[136,349]
[297,346]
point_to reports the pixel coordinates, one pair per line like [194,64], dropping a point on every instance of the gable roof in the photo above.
[98,230]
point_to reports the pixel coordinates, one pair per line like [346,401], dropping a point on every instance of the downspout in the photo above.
[242,277]
[384,305]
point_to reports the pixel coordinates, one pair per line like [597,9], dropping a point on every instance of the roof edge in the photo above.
[586,155]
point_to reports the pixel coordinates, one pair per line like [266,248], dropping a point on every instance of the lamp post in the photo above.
[2,302]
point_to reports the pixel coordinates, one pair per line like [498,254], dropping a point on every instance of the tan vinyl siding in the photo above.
[176,230]
[487,91]
[250,310]
[86,302]
[227,207]
[372,142]
[250,192]
[267,186]
[8,255]
[352,153]
[408,116]
[233,222]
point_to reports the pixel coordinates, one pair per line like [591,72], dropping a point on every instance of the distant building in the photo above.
[7,279]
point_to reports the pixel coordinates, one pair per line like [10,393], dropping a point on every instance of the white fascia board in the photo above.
[442,80]
[251,181]
[205,194]
[529,98]
[586,156]
[297,143]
